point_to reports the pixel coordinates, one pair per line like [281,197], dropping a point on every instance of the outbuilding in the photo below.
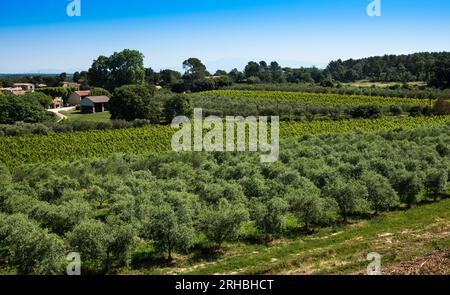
[76,97]
[94,104]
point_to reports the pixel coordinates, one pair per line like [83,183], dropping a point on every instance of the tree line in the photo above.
[433,68]
[127,67]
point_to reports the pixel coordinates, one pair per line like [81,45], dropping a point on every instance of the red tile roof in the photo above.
[83,93]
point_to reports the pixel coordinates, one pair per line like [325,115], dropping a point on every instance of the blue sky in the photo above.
[37,35]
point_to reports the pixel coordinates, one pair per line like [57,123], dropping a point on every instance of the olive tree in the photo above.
[31,249]
[305,203]
[381,195]
[270,216]
[121,237]
[90,239]
[436,182]
[408,186]
[221,223]
[169,226]
[351,196]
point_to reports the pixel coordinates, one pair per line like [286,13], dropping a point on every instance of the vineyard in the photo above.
[19,150]
[299,106]
[318,99]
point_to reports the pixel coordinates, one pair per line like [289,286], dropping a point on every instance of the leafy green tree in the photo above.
[220,73]
[97,195]
[121,68]
[80,77]
[90,239]
[169,226]
[97,91]
[307,208]
[169,77]
[179,105]
[52,188]
[408,186]
[194,69]
[252,69]
[442,73]
[223,81]
[15,108]
[61,218]
[121,237]
[151,77]
[306,204]
[63,92]
[436,181]
[62,77]
[236,75]
[31,249]
[44,100]
[351,196]
[276,72]
[133,102]
[204,84]
[126,68]
[99,73]
[221,223]
[381,195]
[269,216]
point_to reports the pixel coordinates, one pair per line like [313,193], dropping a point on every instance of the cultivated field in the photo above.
[344,186]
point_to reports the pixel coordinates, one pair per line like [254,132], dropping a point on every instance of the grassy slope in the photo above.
[397,236]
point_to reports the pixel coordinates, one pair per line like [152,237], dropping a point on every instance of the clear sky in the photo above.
[38,35]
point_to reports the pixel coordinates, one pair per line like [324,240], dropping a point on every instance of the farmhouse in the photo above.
[15,90]
[94,104]
[28,87]
[76,97]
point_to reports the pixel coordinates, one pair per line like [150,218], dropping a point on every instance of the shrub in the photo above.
[134,102]
[179,105]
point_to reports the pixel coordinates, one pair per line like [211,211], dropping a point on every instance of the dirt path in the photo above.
[61,116]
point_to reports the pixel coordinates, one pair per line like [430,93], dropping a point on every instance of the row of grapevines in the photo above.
[319,99]
[66,146]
